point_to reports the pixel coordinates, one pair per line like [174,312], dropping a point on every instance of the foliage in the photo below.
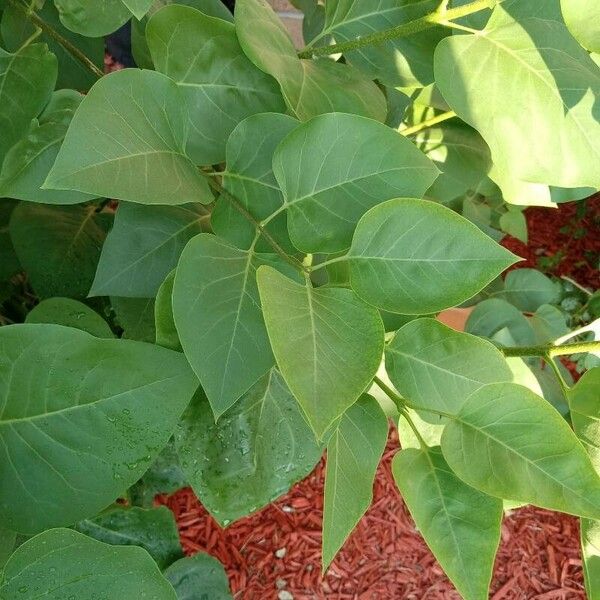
[214,267]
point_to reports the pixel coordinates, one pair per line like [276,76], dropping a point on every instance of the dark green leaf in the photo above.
[199,577]
[136,317]
[164,322]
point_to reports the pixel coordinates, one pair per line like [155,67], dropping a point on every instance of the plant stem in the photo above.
[428,123]
[397,399]
[561,380]
[412,425]
[75,52]
[551,351]
[215,185]
[406,29]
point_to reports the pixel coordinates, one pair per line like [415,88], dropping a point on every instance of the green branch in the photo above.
[551,351]
[75,52]
[404,30]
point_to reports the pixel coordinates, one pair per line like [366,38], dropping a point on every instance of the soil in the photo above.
[275,553]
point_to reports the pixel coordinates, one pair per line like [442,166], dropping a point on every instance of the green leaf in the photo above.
[514,223]
[335,167]
[71,313]
[528,289]
[59,246]
[127,141]
[249,177]
[582,17]
[29,161]
[548,323]
[136,317]
[460,524]
[327,342]
[75,566]
[16,29]
[95,19]
[590,549]
[437,367]
[220,85]
[493,318]
[256,451]
[309,87]
[353,454]
[219,319]
[153,529]
[508,442]
[27,79]
[413,257]
[399,62]
[144,246]
[82,419]
[164,322]
[528,87]
[9,264]
[197,577]
[7,544]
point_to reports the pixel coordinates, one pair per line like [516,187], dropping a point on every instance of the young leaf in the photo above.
[309,87]
[413,257]
[29,161]
[143,246]
[27,79]
[164,322]
[82,419]
[335,167]
[528,289]
[256,451]
[96,19]
[437,367]
[249,177]
[494,317]
[197,577]
[510,443]
[221,86]
[528,87]
[327,342]
[75,566]
[353,454]
[59,246]
[153,529]
[582,17]
[70,313]
[460,524]
[136,317]
[399,62]
[127,141]
[216,307]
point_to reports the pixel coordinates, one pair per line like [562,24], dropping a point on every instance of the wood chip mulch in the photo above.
[275,554]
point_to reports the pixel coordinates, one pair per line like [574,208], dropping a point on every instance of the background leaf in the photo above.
[82,419]
[164,322]
[353,454]
[136,317]
[528,289]
[199,576]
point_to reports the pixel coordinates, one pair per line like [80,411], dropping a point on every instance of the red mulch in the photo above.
[386,558]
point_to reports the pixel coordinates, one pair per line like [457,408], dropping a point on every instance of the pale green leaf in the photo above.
[256,451]
[510,443]
[460,524]
[414,256]
[164,322]
[68,563]
[27,79]
[531,91]
[514,223]
[327,342]
[219,319]
[29,161]
[249,177]
[309,87]
[81,419]
[437,367]
[335,167]
[353,454]
[404,61]
[528,289]
[94,19]
[220,85]
[199,577]
[127,141]
[71,313]
[590,549]
[152,529]
[143,247]
[59,246]
[583,20]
